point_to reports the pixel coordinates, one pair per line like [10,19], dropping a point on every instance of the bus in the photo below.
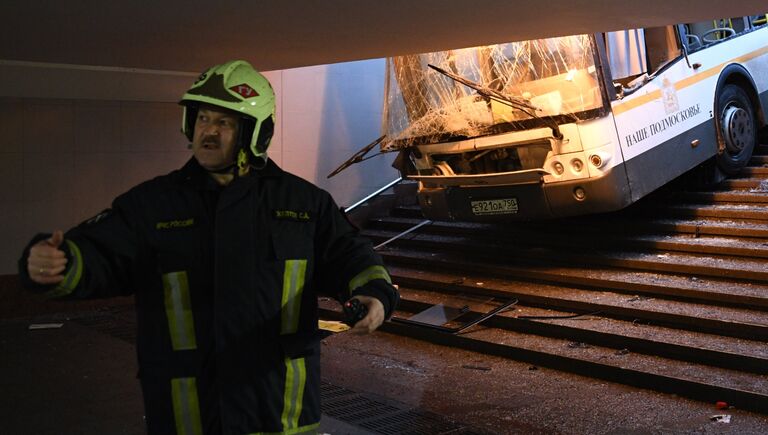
[575,125]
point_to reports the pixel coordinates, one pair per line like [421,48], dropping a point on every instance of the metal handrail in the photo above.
[364,200]
[372,195]
[404,233]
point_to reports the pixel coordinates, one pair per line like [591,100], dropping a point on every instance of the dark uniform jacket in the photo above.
[226,283]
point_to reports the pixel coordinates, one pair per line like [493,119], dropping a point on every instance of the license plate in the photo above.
[494,206]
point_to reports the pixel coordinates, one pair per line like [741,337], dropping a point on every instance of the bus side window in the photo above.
[626,55]
[691,41]
[739,24]
[662,46]
[634,54]
[713,31]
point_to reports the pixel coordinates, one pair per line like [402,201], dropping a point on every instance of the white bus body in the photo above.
[611,124]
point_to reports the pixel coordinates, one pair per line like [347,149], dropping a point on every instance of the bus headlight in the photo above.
[596,160]
[558,167]
[599,159]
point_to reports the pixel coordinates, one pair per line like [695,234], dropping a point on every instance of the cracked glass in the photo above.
[557,77]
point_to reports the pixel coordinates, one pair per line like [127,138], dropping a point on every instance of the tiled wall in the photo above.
[63,158]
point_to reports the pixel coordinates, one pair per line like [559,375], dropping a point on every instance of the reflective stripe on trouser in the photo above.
[295,369]
[295,379]
[368,275]
[186,406]
[178,308]
[293,287]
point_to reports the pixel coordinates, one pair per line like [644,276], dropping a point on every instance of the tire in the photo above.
[736,133]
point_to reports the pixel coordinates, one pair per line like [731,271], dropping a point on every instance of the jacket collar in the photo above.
[195,174]
[270,170]
[198,177]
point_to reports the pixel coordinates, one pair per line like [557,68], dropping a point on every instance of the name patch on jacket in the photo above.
[292,215]
[169,225]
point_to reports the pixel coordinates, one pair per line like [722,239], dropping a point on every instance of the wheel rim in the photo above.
[737,129]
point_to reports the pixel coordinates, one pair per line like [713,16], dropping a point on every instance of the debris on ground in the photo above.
[721,418]
[474,367]
[578,345]
[34,326]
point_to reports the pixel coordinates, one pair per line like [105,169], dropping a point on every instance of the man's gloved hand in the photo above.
[373,319]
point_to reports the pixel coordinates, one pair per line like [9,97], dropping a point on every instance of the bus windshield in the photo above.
[554,78]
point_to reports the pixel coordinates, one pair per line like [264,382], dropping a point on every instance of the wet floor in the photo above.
[80,379]
[495,395]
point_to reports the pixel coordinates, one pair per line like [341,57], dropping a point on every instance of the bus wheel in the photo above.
[736,134]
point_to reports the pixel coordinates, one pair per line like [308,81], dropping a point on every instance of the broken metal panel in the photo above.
[556,75]
[464,311]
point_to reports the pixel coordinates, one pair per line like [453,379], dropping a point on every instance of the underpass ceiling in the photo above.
[191,35]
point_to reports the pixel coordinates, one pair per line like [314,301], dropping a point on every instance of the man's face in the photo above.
[213,142]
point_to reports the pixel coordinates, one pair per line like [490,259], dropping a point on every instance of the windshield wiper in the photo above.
[358,156]
[518,103]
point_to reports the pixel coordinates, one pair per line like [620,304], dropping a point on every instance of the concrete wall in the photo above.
[73,137]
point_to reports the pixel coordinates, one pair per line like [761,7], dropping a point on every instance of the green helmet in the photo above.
[238,87]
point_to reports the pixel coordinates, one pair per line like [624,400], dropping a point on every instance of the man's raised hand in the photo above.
[46,262]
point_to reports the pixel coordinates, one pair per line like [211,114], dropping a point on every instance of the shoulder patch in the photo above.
[99,217]
[292,215]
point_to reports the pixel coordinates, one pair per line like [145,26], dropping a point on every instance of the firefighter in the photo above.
[226,258]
